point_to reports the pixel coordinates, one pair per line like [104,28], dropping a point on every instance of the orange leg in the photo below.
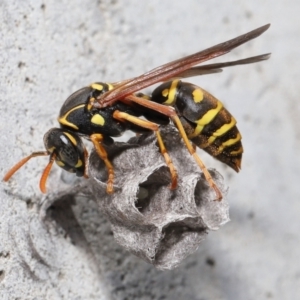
[86,159]
[194,146]
[97,138]
[168,160]
[121,116]
[170,112]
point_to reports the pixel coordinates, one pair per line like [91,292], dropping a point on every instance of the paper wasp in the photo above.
[102,111]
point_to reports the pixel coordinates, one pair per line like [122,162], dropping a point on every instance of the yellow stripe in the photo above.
[237,151]
[63,119]
[100,87]
[210,115]
[229,142]
[97,86]
[172,92]
[98,120]
[165,92]
[198,95]
[206,119]
[90,104]
[71,138]
[196,132]
[110,86]
[222,130]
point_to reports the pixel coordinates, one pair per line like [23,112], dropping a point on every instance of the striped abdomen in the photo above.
[207,123]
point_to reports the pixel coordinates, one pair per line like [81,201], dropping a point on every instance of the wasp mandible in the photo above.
[102,111]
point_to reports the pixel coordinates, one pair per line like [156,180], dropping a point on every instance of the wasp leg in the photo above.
[86,158]
[194,146]
[96,139]
[121,116]
[168,160]
[170,112]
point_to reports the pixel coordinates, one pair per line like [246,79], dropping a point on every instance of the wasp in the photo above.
[102,111]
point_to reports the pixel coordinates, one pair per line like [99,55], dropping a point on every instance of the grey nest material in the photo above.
[159,225]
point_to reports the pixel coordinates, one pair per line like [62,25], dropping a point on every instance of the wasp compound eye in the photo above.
[70,153]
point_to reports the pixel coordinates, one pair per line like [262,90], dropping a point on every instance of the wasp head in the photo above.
[65,148]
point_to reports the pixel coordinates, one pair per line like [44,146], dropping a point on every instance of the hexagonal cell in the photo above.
[159,225]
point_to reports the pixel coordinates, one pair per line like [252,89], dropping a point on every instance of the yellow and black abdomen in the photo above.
[207,123]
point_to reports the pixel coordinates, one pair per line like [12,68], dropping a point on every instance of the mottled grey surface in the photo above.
[50,49]
[159,225]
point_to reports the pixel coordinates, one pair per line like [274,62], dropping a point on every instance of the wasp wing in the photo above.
[217,68]
[210,68]
[174,68]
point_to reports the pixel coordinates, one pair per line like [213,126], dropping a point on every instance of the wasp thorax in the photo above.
[67,149]
[84,96]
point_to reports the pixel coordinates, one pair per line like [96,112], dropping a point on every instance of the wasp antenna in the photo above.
[46,174]
[22,162]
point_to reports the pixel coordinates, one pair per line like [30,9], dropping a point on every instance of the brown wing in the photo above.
[216,68]
[175,68]
[210,68]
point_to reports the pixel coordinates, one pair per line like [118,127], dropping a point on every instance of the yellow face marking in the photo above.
[229,142]
[198,95]
[63,120]
[172,93]
[222,130]
[165,92]
[50,150]
[206,119]
[98,120]
[79,163]
[60,163]
[71,138]
[97,86]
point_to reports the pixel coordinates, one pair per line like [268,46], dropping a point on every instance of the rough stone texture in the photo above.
[50,49]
